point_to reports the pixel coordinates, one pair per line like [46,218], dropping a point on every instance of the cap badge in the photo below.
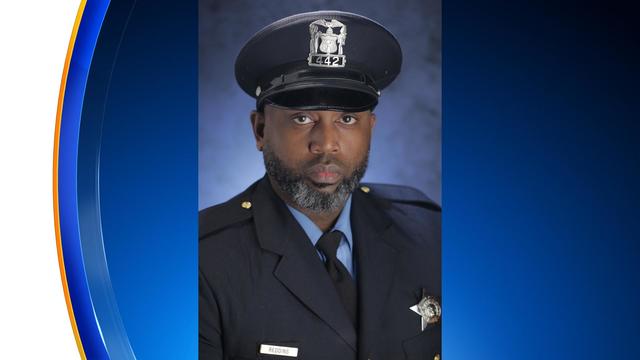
[327,39]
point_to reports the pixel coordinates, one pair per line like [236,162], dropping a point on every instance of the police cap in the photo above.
[323,60]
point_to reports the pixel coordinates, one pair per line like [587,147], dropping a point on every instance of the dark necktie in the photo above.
[346,287]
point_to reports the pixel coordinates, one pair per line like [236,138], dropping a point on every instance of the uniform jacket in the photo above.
[262,282]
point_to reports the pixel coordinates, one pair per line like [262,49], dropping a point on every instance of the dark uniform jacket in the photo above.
[262,282]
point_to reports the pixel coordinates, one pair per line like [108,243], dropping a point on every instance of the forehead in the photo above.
[277,111]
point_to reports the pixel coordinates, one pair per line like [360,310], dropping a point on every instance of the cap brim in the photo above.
[334,94]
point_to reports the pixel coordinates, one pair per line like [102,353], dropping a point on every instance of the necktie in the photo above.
[344,284]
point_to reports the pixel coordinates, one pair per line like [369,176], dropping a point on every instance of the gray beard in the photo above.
[302,194]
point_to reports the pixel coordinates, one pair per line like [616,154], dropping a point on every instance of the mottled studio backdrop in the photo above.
[406,143]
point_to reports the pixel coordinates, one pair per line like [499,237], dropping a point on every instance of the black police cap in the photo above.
[323,60]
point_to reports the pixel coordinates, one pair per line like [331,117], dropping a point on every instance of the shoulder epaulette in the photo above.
[401,194]
[218,217]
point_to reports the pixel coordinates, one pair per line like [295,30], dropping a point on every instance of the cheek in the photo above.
[286,146]
[356,145]
[353,156]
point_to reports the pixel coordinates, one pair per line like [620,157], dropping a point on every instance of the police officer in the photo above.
[308,262]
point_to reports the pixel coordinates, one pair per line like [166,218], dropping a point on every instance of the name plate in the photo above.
[278,350]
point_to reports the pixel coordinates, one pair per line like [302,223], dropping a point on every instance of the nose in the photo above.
[325,138]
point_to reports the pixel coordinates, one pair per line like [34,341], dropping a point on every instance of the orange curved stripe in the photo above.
[56,213]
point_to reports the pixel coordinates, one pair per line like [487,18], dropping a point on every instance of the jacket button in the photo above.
[246,205]
[437,357]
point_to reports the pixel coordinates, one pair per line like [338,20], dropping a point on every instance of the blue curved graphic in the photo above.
[94,312]
[127,181]
[141,136]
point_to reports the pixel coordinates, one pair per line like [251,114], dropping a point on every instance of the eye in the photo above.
[348,119]
[302,120]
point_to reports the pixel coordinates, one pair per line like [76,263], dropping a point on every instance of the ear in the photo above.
[257,125]
[372,121]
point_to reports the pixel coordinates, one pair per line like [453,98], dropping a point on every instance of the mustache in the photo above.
[324,160]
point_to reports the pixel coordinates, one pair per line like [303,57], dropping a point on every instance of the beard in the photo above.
[292,183]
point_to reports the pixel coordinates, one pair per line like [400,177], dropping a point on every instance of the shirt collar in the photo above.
[313,231]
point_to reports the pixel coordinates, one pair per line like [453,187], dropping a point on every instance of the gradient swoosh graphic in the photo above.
[93,311]
[125,179]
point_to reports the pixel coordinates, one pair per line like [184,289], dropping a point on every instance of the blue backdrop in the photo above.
[541,250]
[406,146]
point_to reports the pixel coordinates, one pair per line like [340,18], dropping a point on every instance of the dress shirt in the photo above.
[343,224]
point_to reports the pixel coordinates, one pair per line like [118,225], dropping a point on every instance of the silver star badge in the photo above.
[429,310]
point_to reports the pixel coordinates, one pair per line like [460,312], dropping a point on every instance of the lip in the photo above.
[324,174]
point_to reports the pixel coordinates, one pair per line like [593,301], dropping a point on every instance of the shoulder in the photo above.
[412,212]
[401,195]
[226,241]
[228,247]
[226,215]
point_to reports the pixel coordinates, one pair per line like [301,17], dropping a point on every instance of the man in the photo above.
[307,262]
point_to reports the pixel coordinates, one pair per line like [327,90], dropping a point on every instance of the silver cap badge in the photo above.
[429,310]
[325,47]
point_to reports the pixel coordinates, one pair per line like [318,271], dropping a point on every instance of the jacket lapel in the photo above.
[375,261]
[300,269]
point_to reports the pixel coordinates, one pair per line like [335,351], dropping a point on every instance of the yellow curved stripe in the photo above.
[56,212]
